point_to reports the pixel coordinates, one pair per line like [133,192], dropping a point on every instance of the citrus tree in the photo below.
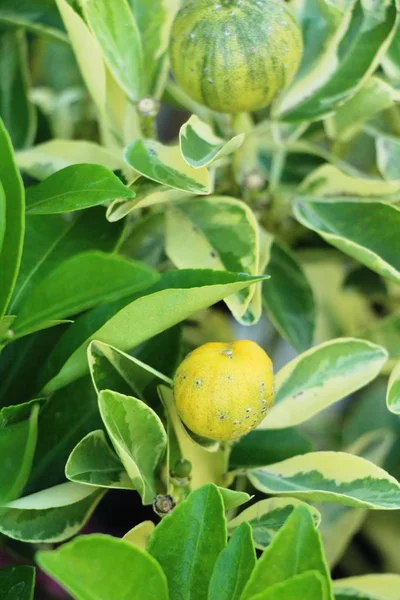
[199,299]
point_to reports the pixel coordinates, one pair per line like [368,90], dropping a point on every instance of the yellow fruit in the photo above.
[223,391]
[235,55]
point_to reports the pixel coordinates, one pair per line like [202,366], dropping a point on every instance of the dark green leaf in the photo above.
[52,239]
[17,583]
[188,541]
[84,281]
[288,298]
[17,447]
[234,566]
[11,251]
[39,16]
[75,188]
[16,110]
[263,447]
[68,416]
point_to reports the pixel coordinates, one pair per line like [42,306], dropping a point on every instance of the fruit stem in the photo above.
[278,159]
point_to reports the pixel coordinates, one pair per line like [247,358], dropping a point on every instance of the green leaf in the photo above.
[148,193]
[200,146]
[215,233]
[233,498]
[84,281]
[117,33]
[308,586]
[154,22]
[50,240]
[297,536]
[288,298]
[165,165]
[112,369]
[262,447]
[103,567]
[184,292]
[92,462]
[21,361]
[66,418]
[40,17]
[356,229]
[374,96]
[233,567]
[3,208]
[194,534]
[17,583]
[393,392]
[329,181]
[139,439]
[13,239]
[388,155]
[368,587]
[17,447]
[334,477]
[321,376]
[43,160]
[16,110]
[52,515]
[386,332]
[359,51]
[267,517]
[75,188]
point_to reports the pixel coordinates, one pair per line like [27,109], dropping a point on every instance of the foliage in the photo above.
[126,241]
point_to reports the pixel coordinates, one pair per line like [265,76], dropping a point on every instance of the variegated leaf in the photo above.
[334,477]
[368,587]
[267,517]
[356,229]
[216,233]
[200,146]
[52,515]
[92,462]
[165,165]
[321,376]
[393,392]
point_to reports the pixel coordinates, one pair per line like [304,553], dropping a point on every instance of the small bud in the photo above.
[163,504]
[148,107]
[182,469]
[254,181]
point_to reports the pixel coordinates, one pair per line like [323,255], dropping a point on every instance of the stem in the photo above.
[278,159]
[148,127]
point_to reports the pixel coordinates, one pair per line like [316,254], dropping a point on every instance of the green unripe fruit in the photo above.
[235,55]
[182,469]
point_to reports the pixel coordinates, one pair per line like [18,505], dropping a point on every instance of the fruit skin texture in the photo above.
[223,391]
[235,55]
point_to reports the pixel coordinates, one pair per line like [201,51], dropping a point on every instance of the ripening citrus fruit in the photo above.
[235,55]
[223,391]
